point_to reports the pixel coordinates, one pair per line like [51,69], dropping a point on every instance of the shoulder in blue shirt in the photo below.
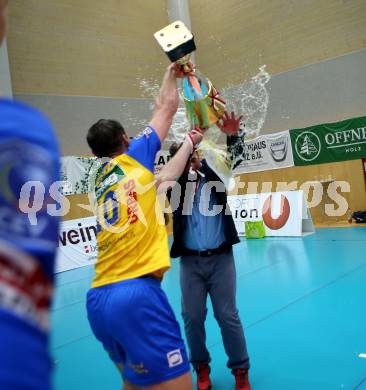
[144,147]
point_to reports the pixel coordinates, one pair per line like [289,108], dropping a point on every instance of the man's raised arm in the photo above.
[166,103]
[172,171]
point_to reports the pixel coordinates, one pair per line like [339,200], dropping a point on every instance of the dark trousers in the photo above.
[214,276]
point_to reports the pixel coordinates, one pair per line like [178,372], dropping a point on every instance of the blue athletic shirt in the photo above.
[29,164]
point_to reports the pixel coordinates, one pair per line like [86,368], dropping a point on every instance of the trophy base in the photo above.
[181,51]
[176,40]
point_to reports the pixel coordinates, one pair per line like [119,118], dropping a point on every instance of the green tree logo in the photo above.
[307,146]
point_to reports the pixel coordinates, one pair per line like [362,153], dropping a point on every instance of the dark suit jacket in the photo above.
[180,220]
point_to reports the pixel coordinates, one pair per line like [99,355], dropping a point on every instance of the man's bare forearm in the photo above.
[172,171]
[166,104]
[168,93]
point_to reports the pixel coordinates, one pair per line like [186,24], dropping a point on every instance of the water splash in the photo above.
[180,125]
[250,99]
[149,88]
[134,122]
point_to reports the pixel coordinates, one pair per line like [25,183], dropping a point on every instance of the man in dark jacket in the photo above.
[204,233]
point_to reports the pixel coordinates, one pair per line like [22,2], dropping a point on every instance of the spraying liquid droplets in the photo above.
[250,99]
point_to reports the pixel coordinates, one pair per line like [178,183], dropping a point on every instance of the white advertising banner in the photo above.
[162,157]
[77,244]
[75,172]
[283,213]
[271,151]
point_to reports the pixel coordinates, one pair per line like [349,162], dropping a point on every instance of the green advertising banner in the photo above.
[330,142]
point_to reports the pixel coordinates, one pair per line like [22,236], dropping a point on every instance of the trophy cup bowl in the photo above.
[204,107]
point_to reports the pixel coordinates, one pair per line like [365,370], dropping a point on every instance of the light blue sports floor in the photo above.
[302,302]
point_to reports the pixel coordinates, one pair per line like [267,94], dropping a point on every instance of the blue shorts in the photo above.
[137,327]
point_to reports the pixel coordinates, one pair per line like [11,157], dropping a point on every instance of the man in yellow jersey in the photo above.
[127,309]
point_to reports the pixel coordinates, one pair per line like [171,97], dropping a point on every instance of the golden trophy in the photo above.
[204,107]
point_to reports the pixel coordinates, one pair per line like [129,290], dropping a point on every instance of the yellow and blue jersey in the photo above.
[132,239]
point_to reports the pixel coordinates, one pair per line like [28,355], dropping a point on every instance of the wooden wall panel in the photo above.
[100,48]
[76,211]
[85,47]
[235,37]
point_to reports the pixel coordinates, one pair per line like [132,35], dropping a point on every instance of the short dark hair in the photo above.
[105,137]
[174,147]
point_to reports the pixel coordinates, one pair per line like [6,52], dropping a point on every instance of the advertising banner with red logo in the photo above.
[283,213]
[77,244]
[270,151]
